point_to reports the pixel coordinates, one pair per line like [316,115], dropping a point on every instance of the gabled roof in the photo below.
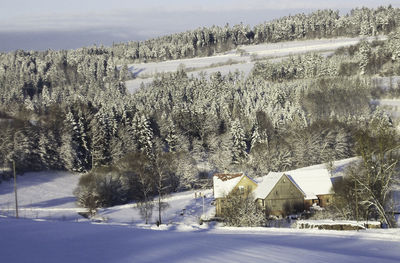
[311,181]
[224,183]
[266,184]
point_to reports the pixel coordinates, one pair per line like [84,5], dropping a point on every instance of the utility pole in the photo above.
[202,195]
[15,190]
[355,186]
[92,160]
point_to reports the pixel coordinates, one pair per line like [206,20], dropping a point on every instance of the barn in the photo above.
[278,193]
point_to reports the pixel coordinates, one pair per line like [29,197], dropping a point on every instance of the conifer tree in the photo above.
[239,147]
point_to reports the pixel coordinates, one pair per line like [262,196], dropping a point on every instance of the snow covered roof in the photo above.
[224,183]
[266,183]
[312,182]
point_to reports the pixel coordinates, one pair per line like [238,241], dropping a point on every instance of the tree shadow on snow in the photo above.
[54,202]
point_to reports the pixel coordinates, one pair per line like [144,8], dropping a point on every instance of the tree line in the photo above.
[208,41]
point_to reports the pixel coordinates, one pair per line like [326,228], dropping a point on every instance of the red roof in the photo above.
[226,177]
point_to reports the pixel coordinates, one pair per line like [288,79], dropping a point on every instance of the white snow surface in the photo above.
[47,195]
[336,222]
[184,208]
[317,180]
[312,182]
[37,241]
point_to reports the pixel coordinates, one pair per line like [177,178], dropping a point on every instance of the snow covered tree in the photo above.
[255,137]
[139,166]
[394,45]
[364,56]
[70,151]
[376,173]
[170,134]
[220,152]
[48,150]
[143,134]
[238,141]
[101,134]
[240,209]
[24,151]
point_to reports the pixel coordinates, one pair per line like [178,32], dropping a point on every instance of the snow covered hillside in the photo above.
[49,195]
[392,106]
[240,59]
[182,208]
[46,195]
[30,241]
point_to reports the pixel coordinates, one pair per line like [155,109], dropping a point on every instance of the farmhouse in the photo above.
[278,192]
[226,183]
[294,190]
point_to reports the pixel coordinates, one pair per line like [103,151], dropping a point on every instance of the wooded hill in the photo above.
[70,109]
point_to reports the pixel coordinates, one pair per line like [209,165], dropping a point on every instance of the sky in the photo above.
[54,24]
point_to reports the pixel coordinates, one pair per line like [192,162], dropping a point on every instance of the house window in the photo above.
[284,180]
[241,189]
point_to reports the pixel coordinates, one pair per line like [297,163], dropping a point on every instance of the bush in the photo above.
[102,188]
[241,210]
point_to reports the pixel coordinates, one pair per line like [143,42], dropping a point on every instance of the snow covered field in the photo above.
[183,208]
[30,241]
[46,195]
[392,106]
[49,195]
[145,71]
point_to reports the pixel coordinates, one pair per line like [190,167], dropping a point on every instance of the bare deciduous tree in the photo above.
[163,166]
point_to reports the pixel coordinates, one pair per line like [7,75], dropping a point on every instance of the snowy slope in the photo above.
[183,208]
[30,241]
[392,106]
[145,71]
[46,195]
[49,195]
